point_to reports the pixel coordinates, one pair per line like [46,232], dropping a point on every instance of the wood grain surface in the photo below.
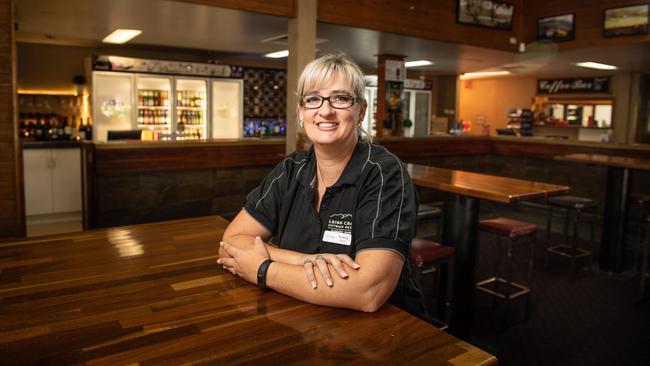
[608,160]
[484,186]
[153,294]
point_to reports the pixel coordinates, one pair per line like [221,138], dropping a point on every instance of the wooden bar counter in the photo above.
[153,294]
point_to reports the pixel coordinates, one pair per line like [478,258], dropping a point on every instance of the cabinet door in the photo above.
[66,180]
[38,181]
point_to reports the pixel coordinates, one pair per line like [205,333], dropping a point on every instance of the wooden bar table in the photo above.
[463,191]
[619,171]
[154,294]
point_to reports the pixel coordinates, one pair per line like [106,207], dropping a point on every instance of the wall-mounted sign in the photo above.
[573,86]
[395,70]
[129,64]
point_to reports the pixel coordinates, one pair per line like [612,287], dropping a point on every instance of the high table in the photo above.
[619,168]
[463,190]
[154,294]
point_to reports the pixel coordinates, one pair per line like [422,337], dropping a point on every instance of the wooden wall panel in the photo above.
[588,21]
[273,7]
[431,19]
[12,214]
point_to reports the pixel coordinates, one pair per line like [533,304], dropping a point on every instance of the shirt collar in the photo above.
[351,173]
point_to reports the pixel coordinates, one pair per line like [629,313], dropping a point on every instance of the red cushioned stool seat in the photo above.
[507,227]
[427,251]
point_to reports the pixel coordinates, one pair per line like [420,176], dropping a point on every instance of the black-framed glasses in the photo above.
[337,101]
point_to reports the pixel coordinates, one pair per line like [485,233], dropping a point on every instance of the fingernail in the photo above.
[356,266]
[257,237]
[344,274]
[219,261]
[313,284]
[329,283]
[221,244]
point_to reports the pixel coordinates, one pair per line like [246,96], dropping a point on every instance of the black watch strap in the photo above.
[261,274]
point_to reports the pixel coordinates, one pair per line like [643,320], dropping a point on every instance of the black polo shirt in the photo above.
[373,205]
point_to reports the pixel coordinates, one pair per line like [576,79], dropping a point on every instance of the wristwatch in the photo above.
[261,274]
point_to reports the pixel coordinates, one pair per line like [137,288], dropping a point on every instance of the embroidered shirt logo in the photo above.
[339,229]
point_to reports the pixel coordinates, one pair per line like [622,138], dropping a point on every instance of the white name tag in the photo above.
[337,237]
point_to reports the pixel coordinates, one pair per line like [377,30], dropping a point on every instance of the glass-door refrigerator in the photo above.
[227,108]
[154,100]
[112,101]
[191,119]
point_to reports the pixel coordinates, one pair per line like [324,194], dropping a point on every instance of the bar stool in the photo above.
[645,271]
[515,233]
[432,258]
[431,213]
[574,207]
[643,205]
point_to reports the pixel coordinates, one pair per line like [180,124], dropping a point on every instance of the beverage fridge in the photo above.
[165,107]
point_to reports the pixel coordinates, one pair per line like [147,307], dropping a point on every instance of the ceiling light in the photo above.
[470,75]
[596,65]
[279,54]
[120,36]
[417,63]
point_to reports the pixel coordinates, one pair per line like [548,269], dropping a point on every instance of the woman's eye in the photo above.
[342,98]
[312,99]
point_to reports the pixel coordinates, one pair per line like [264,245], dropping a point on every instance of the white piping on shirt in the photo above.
[278,177]
[381,187]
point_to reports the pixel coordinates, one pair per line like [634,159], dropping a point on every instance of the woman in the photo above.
[342,199]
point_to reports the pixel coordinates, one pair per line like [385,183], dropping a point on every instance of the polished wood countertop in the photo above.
[138,145]
[153,294]
[484,186]
[608,160]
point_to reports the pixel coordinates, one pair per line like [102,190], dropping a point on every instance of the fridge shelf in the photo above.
[152,125]
[190,108]
[153,107]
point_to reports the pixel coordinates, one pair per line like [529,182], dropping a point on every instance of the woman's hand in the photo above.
[244,262]
[321,261]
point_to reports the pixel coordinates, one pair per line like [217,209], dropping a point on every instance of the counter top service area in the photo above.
[153,294]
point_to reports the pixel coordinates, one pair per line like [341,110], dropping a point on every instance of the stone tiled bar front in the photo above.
[137,182]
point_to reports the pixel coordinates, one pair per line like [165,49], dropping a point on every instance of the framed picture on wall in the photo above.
[485,13]
[557,28]
[626,20]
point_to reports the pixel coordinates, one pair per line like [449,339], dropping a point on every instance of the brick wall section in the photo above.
[12,215]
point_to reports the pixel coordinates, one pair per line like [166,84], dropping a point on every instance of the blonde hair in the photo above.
[324,68]
[321,70]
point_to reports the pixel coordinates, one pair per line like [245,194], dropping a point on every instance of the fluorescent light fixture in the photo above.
[471,75]
[596,65]
[279,54]
[120,36]
[417,63]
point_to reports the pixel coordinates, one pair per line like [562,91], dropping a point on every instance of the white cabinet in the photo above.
[52,181]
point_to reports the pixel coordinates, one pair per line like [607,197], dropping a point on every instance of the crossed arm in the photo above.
[365,288]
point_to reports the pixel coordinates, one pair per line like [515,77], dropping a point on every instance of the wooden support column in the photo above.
[381,91]
[12,206]
[302,49]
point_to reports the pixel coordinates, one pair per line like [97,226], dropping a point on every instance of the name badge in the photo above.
[337,237]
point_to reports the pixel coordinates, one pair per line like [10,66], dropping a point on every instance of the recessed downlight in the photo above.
[417,63]
[121,36]
[278,54]
[596,65]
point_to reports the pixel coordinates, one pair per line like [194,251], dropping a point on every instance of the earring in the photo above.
[302,123]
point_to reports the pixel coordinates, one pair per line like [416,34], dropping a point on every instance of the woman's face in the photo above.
[328,125]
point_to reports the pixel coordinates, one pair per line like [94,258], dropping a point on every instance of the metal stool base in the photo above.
[567,251]
[523,290]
